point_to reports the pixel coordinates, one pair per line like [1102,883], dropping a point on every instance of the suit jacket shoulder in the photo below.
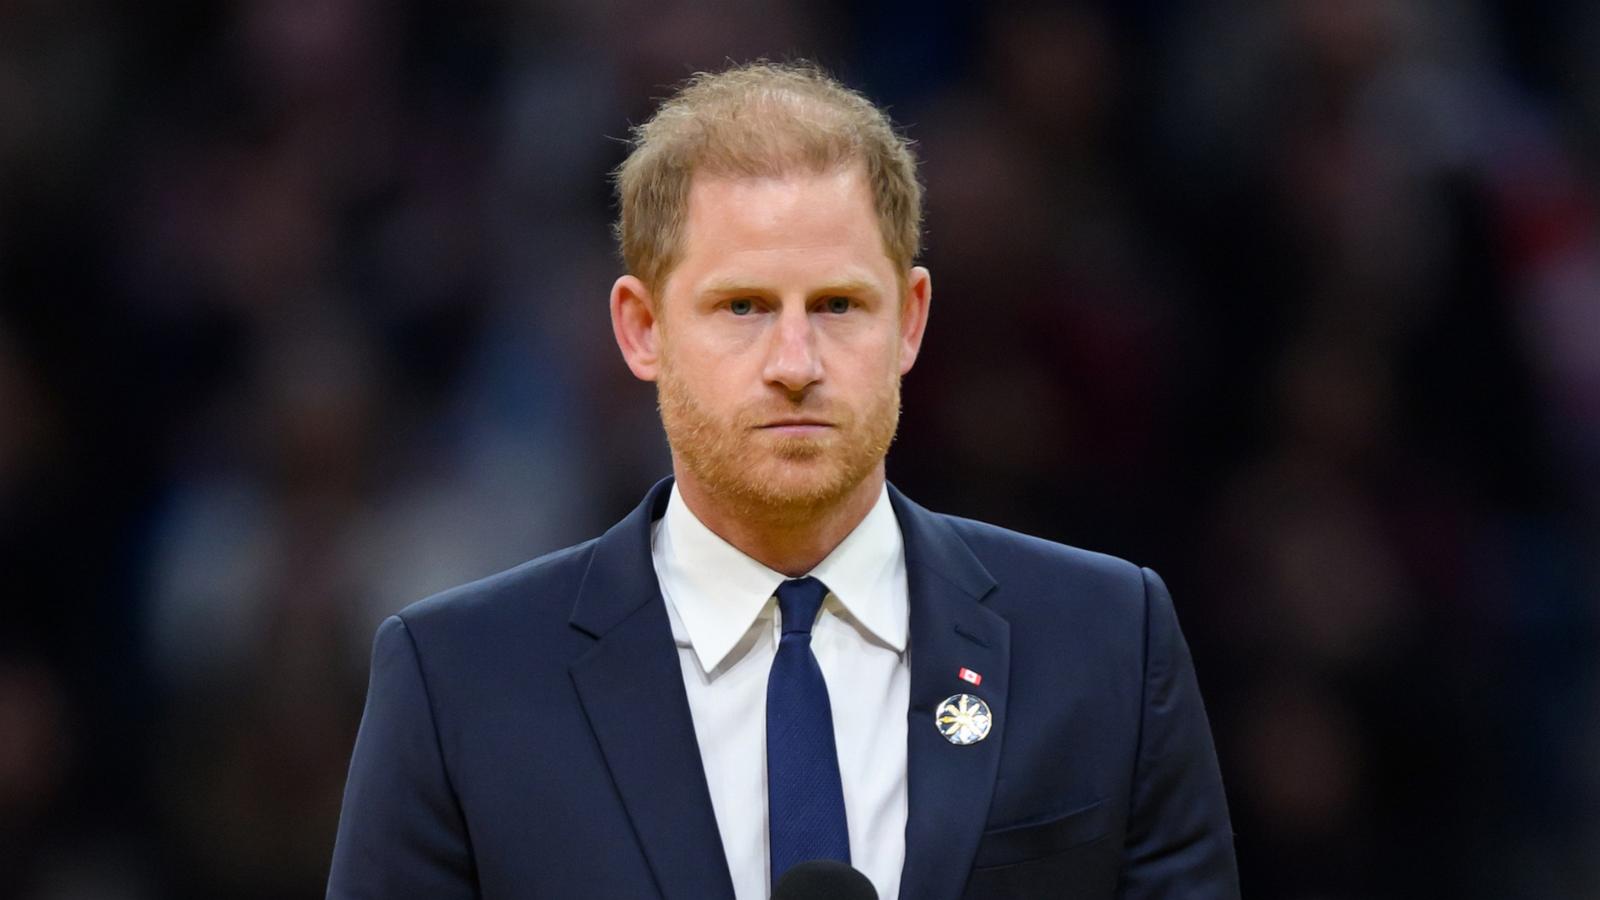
[1058,597]
[540,590]
[1060,569]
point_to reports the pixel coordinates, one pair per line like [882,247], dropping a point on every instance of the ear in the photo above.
[633,321]
[914,315]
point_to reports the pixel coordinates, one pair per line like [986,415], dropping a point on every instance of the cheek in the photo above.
[705,378]
[712,342]
[866,361]
[699,366]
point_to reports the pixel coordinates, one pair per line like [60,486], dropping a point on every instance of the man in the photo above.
[778,657]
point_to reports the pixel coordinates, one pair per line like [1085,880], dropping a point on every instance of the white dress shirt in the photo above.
[725,622]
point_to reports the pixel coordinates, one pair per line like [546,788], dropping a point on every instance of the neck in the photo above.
[784,539]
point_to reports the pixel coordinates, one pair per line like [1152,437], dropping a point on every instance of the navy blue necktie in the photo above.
[805,798]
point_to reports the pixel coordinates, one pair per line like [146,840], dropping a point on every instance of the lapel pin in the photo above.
[963,719]
[969,676]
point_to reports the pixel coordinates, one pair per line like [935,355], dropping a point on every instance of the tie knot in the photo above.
[798,602]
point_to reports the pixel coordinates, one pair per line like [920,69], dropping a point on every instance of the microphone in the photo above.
[823,879]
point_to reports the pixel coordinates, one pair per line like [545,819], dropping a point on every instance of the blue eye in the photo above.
[838,305]
[741,307]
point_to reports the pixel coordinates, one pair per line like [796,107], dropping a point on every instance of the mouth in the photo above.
[795,427]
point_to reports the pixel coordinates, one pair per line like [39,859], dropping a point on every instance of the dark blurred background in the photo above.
[302,317]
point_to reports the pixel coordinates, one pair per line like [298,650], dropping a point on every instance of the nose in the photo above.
[792,359]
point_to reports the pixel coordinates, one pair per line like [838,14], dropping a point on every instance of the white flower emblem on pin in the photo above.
[963,719]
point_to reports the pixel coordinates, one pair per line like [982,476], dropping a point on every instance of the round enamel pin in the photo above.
[963,719]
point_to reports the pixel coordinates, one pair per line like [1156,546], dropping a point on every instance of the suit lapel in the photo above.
[949,786]
[631,687]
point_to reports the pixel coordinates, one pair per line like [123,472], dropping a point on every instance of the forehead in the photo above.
[782,231]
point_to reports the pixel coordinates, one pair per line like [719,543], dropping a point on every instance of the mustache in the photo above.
[765,413]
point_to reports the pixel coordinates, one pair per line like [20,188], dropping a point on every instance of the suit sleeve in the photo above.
[401,831]
[1179,840]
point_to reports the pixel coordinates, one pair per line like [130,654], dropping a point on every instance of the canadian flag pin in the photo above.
[969,676]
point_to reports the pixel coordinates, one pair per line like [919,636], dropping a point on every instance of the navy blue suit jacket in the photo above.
[528,735]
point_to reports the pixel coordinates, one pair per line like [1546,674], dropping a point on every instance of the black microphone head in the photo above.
[823,879]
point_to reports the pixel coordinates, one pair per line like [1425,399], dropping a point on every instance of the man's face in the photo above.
[781,337]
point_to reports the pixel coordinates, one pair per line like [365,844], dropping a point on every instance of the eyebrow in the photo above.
[732,287]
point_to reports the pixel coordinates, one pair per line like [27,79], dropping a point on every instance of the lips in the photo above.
[797,428]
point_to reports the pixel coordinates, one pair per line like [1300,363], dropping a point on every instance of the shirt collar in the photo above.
[860,573]
[724,591]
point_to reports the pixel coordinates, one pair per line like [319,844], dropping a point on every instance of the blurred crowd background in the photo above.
[302,317]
